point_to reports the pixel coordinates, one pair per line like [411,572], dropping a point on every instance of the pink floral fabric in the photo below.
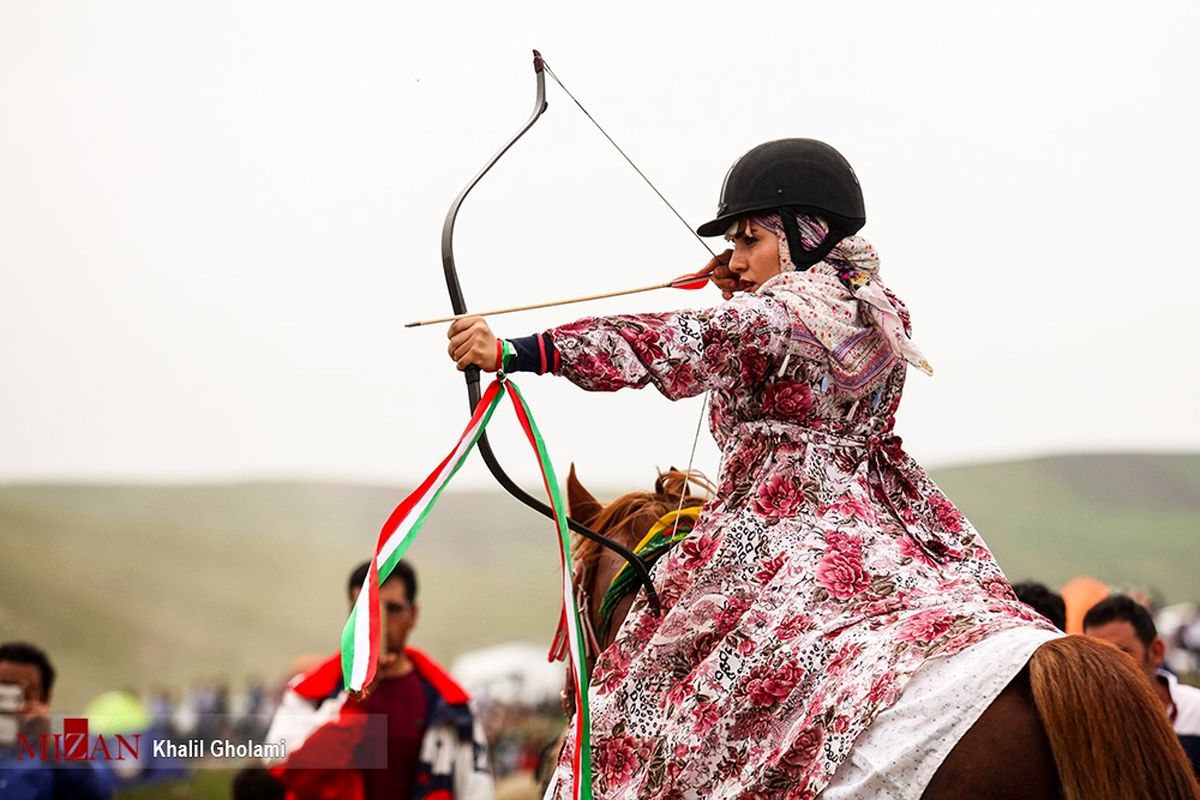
[827,569]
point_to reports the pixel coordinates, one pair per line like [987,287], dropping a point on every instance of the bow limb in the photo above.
[472,373]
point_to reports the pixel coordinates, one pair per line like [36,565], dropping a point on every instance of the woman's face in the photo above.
[755,257]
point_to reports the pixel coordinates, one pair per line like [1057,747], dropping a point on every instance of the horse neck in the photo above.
[624,521]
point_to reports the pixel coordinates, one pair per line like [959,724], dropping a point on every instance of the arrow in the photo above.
[691,281]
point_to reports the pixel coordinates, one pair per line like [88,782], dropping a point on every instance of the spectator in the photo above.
[1127,624]
[1043,600]
[434,743]
[26,685]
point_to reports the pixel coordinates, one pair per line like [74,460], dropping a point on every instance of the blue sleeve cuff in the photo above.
[535,353]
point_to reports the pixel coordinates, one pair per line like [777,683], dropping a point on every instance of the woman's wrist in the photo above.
[535,353]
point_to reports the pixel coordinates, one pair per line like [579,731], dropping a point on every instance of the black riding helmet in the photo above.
[787,176]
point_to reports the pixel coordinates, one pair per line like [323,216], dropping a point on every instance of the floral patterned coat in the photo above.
[826,570]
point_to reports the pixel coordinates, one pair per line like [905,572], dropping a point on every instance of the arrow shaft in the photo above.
[548,304]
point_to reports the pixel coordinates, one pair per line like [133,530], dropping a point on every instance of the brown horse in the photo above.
[1080,722]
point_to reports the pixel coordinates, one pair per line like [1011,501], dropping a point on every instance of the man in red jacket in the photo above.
[414,736]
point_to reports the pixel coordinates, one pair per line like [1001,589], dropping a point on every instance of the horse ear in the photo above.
[580,503]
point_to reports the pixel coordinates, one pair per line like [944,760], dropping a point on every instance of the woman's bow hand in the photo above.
[723,277]
[472,344]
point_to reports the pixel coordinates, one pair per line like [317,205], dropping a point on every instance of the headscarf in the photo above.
[836,296]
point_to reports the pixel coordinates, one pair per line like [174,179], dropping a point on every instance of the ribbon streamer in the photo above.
[361,636]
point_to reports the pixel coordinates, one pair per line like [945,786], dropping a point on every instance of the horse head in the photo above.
[626,520]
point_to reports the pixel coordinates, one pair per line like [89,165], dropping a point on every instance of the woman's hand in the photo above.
[472,344]
[723,277]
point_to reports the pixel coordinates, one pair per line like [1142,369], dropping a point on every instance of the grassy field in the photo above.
[138,587]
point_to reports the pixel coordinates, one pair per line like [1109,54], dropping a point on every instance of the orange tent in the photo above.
[1079,595]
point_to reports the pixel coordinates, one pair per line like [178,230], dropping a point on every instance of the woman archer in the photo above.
[830,575]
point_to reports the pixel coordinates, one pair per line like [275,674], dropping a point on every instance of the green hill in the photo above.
[142,586]
[1126,519]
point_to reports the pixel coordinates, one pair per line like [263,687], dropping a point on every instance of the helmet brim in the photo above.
[718,226]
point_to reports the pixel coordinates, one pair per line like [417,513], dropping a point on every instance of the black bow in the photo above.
[472,373]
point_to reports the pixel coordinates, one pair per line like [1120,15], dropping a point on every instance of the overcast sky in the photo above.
[215,218]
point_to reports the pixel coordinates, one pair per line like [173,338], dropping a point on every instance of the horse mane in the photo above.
[628,518]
